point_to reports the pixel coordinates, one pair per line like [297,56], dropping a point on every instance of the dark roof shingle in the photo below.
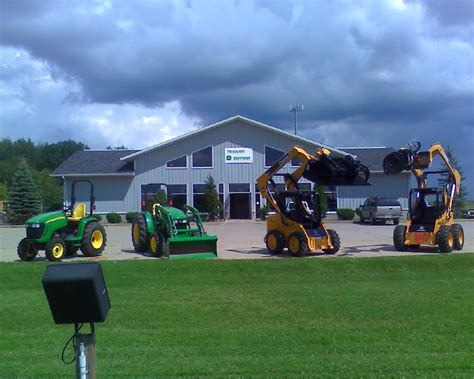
[96,162]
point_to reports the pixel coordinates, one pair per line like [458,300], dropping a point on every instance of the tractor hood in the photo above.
[175,213]
[46,217]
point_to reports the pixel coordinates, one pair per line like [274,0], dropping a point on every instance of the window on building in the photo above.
[272,155]
[221,199]
[199,197]
[177,163]
[203,158]
[177,194]
[295,162]
[239,187]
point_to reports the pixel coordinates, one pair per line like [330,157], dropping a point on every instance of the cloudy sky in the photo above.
[369,73]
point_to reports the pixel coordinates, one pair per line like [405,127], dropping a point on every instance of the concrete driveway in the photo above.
[244,240]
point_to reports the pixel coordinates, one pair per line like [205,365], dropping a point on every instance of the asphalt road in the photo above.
[244,240]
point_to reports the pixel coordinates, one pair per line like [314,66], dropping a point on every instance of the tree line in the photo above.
[41,159]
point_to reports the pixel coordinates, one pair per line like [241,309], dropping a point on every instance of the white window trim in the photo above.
[177,168]
[212,158]
[265,155]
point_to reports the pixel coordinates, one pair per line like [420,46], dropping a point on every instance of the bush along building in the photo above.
[234,152]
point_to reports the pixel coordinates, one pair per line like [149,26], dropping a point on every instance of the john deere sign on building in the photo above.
[239,155]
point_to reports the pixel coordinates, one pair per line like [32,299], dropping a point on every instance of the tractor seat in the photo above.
[78,213]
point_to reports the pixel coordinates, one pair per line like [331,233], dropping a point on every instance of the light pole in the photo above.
[295,108]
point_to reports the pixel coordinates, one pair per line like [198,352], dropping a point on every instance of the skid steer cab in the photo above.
[63,233]
[430,218]
[170,232]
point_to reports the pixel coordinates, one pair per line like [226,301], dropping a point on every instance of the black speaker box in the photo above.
[76,293]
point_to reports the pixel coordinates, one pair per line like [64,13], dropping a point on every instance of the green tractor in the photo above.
[173,233]
[62,233]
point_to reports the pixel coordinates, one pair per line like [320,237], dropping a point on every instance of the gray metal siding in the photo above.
[112,193]
[381,185]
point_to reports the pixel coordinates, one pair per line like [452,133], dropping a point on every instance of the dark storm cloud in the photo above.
[368,72]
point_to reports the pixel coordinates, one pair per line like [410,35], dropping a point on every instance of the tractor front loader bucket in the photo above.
[192,247]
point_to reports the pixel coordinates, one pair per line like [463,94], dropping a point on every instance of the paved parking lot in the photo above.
[244,240]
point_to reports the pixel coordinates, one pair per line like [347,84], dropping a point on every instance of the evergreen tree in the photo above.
[323,201]
[212,198]
[161,197]
[23,197]
[460,199]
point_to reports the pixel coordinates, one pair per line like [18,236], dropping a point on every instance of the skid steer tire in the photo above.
[93,240]
[458,233]
[335,241]
[399,234]
[139,234]
[55,249]
[297,244]
[155,244]
[275,242]
[445,239]
[27,250]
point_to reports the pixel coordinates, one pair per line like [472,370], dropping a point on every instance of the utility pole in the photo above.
[295,108]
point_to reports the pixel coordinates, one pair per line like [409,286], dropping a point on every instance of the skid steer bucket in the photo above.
[331,171]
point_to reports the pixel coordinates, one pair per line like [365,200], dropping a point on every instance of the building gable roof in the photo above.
[96,162]
[372,157]
[227,121]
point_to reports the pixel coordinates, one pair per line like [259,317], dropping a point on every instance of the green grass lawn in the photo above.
[392,317]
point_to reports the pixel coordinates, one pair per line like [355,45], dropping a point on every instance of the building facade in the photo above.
[235,152]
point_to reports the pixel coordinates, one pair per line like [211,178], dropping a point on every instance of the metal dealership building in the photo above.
[235,152]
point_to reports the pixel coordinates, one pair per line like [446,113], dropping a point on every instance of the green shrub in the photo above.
[345,214]
[130,216]
[97,217]
[263,211]
[113,218]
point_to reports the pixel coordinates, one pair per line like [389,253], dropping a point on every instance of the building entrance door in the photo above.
[240,201]
[239,205]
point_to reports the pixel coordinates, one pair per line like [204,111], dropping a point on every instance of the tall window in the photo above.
[199,197]
[203,157]
[177,163]
[178,195]
[272,155]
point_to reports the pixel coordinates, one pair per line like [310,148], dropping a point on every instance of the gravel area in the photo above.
[244,240]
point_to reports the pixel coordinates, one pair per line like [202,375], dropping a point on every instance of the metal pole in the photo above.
[85,355]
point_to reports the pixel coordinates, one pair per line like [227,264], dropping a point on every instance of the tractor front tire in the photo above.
[27,250]
[55,249]
[297,244]
[458,233]
[155,244]
[275,242]
[94,240]
[399,235]
[335,241]
[445,239]
[139,234]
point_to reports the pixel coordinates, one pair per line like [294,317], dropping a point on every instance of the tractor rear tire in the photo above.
[399,234]
[155,244]
[27,250]
[297,244]
[275,242]
[458,233]
[55,249]
[139,234]
[335,241]
[94,240]
[445,239]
